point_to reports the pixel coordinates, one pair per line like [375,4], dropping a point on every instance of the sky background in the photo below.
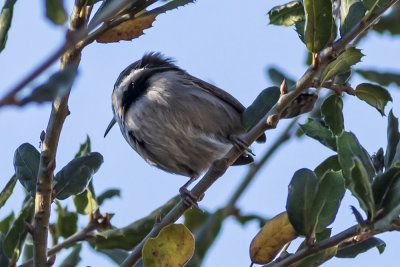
[225,42]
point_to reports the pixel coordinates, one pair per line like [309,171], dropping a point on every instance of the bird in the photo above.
[175,121]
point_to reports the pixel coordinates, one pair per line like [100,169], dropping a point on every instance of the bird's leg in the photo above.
[187,196]
[240,144]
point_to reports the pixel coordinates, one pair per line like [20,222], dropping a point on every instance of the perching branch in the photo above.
[349,237]
[269,121]
[338,88]
[59,112]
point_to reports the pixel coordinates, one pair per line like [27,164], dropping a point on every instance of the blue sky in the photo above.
[222,42]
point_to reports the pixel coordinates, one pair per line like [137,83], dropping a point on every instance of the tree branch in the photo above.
[43,196]
[338,88]
[269,121]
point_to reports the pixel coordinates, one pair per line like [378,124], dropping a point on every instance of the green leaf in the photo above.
[85,148]
[302,191]
[327,200]
[383,78]
[342,64]
[5,21]
[299,27]
[128,237]
[287,14]
[318,131]
[74,178]
[4,261]
[6,223]
[361,188]
[390,22]
[380,5]
[351,13]
[317,259]
[277,76]
[55,11]
[318,28]
[374,95]
[332,111]
[330,164]
[73,258]
[57,86]
[382,184]
[348,149]
[358,216]
[67,222]
[260,107]
[7,190]
[353,251]
[244,219]
[85,202]
[108,194]
[205,235]
[393,137]
[15,237]
[173,246]
[26,165]
[27,253]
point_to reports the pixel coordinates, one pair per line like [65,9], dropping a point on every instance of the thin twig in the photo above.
[268,122]
[338,88]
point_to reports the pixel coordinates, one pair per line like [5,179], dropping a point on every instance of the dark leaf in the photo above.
[7,190]
[361,187]
[4,260]
[320,132]
[378,159]
[318,27]
[260,107]
[76,175]
[390,22]
[382,184]
[374,95]
[194,218]
[85,148]
[6,223]
[244,219]
[108,194]
[353,251]
[327,200]
[342,64]
[67,222]
[287,14]
[116,255]
[57,86]
[5,21]
[131,235]
[302,191]
[393,137]
[73,258]
[357,214]
[167,7]
[383,78]
[205,236]
[351,13]
[300,26]
[16,236]
[26,165]
[331,109]
[277,76]
[55,11]
[348,149]
[330,164]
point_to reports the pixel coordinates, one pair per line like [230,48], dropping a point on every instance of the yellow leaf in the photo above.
[272,237]
[127,30]
[174,246]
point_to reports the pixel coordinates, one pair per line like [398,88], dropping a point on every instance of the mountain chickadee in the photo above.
[175,121]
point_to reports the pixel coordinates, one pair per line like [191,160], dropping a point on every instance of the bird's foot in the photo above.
[240,144]
[189,199]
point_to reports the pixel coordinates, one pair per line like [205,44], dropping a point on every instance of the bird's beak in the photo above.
[112,122]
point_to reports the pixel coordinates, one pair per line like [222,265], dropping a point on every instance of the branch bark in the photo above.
[59,112]
[269,121]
